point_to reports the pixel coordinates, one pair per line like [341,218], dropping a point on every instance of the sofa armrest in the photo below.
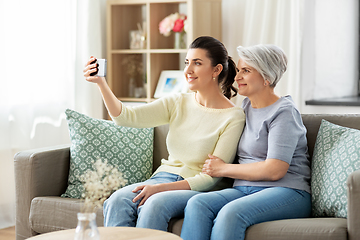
[353,220]
[38,172]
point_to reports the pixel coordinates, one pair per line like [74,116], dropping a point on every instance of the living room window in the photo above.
[37,65]
[331,53]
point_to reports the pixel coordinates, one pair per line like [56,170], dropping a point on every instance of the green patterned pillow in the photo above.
[130,149]
[336,155]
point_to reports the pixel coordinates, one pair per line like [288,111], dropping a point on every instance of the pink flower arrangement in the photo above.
[174,22]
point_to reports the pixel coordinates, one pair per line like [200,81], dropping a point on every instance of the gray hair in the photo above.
[269,60]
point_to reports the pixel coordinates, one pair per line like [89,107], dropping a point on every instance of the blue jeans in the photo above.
[155,213]
[225,214]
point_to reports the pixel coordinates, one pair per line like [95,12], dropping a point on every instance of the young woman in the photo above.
[200,123]
[272,177]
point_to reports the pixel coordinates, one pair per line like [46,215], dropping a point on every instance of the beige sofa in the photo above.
[41,177]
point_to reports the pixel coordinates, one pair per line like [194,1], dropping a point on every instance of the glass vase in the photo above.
[86,228]
[180,40]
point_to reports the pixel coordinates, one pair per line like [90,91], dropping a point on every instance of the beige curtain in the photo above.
[250,22]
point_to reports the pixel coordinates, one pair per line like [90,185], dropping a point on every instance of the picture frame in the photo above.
[171,81]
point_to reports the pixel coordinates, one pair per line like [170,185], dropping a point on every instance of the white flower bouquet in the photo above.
[99,184]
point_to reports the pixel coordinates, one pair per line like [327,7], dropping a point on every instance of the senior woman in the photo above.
[271,181]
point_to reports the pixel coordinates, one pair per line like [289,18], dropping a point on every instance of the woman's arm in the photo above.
[112,104]
[268,170]
[284,133]
[225,148]
[147,190]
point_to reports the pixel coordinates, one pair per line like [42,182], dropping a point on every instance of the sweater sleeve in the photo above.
[224,149]
[148,115]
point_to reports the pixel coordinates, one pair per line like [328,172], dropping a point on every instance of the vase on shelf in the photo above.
[132,87]
[86,228]
[180,40]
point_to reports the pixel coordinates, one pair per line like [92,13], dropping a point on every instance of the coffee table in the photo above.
[113,233]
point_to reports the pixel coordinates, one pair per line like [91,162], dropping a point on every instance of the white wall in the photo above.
[249,22]
[329,64]
[330,53]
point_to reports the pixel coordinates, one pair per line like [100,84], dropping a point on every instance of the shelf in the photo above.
[158,53]
[139,51]
[343,101]
[170,50]
[129,51]
[119,24]
[134,99]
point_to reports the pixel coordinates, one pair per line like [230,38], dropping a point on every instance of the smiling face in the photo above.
[250,82]
[198,70]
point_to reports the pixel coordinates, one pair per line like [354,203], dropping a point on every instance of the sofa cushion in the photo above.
[49,214]
[299,229]
[294,229]
[336,155]
[130,149]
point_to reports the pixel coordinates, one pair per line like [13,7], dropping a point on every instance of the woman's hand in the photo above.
[145,192]
[214,166]
[91,68]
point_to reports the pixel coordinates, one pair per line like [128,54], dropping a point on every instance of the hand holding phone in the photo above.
[100,68]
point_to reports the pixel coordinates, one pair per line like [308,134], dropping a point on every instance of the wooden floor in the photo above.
[7,233]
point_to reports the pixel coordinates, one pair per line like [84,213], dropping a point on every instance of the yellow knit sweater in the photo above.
[194,132]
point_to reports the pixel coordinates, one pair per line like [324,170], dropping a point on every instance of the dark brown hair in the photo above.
[218,54]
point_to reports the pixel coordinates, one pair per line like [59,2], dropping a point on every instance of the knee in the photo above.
[153,205]
[197,200]
[118,198]
[156,205]
[196,204]
[153,214]
[228,213]
[193,203]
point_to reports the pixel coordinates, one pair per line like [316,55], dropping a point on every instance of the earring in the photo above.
[213,78]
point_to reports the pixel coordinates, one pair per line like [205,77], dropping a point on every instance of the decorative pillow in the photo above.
[130,149]
[336,155]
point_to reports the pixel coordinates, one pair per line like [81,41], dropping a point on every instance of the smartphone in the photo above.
[100,68]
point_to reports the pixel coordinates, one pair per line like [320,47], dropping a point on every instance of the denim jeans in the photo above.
[225,214]
[155,213]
